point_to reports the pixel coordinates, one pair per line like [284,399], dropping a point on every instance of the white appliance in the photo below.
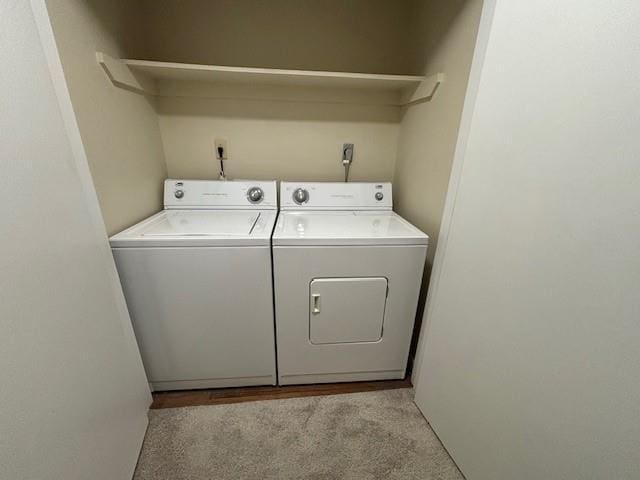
[347,273]
[198,282]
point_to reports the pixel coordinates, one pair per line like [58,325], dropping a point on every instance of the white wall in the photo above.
[531,366]
[73,395]
[119,128]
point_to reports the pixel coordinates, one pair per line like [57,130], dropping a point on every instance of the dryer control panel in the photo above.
[335,196]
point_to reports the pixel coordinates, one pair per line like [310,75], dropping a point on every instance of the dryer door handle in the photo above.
[315,299]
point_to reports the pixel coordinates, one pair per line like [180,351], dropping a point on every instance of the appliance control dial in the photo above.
[255,194]
[300,196]
[179,193]
[379,196]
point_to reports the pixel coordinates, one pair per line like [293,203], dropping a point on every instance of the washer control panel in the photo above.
[213,194]
[335,196]
[255,195]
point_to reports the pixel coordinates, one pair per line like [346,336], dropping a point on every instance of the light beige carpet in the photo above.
[373,435]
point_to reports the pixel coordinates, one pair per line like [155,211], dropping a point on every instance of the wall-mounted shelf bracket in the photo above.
[120,74]
[424,91]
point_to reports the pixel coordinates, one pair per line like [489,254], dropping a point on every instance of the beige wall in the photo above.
[119,129]
[266,139]
[287,140]
[73,392]
[445,33]
[341,35]
[277,140]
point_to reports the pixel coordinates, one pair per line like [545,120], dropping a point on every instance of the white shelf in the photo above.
[167,79]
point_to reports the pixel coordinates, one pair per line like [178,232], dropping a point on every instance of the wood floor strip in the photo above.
[191,398]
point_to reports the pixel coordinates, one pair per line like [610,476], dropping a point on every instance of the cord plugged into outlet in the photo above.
[221,155]
[347,158]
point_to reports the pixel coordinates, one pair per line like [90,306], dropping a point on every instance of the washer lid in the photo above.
[346,228]
[199,228]
[186,223]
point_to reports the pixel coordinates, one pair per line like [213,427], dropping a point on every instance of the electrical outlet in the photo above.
[221,144]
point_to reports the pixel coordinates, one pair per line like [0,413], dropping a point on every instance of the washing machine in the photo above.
[197,279]
[347,274]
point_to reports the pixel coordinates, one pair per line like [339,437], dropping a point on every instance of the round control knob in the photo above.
[379,196]
[255,194]
[179,193]
[300,196]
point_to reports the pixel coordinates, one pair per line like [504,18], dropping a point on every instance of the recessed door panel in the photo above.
[346,310]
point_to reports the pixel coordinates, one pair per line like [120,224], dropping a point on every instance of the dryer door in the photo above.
[346,310]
